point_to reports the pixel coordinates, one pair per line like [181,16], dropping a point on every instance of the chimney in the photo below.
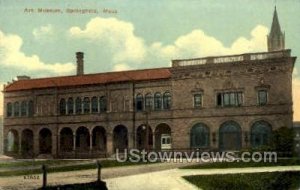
[80,63]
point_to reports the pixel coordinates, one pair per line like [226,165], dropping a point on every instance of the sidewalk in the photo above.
[172,179]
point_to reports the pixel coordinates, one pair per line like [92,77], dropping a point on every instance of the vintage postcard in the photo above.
[163,95]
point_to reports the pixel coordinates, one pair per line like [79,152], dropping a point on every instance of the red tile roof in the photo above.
[89,79]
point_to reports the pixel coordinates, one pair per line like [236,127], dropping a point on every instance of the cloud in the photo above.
[43,31]
[295,72]
[12,56]
[121,67]
[199,44]
[128,49]
[117,35]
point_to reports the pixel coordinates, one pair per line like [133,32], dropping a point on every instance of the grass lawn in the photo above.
[31,162]
[219,165]
[58,166]
[252,181]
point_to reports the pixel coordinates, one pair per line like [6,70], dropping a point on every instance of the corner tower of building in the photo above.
[276,36]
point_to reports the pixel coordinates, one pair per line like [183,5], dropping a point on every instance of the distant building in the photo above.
[221,103]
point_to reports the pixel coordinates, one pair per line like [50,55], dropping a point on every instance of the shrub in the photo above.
[283,140]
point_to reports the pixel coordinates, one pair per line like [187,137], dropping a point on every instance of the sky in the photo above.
[122,35]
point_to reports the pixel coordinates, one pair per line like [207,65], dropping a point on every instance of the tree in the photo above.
[283,139]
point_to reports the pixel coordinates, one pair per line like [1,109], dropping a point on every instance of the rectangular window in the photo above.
[157,104]
[240,98]
[262,97]
[9,109]
[227,99]
[148,102]
[103,104]
[219,99]
[197,100]
[233,100]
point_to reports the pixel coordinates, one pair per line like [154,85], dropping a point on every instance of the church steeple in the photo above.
[276,36]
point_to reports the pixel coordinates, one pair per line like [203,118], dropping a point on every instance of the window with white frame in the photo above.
[229,99]
[262,97]
[197,100]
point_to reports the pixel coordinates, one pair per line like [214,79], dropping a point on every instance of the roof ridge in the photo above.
[90,79]
[92,74]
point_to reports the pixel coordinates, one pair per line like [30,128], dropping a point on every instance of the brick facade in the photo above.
[272,72]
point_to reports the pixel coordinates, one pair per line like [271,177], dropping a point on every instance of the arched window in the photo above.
[139,102]
[70,106]
[9,109]
[148,101]
[103,104]
[12,141]
[199,136]
[230,136]
[167,100]
[16,109]
[78,105]
[94,104]
[23,108]
[120,138]
[157,101]
[30,108]
[62,106]
[260,133]
[86,105]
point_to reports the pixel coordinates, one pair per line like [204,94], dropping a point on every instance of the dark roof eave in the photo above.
[90,84]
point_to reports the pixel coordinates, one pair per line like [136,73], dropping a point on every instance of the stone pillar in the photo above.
[36,144]
[214,140]
[67,111]
[74,106]
[98,101]
[90,105]
[245,139]
[20,143]
[130,141]
[91,141]
[153,140]
[58,144]
[54,145]
[74,141]
[109,144]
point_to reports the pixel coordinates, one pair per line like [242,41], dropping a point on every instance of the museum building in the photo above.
[211,103]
